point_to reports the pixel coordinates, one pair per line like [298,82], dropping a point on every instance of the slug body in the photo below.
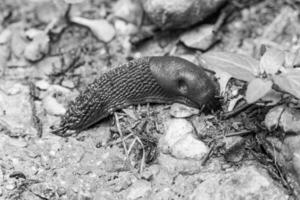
[145,80]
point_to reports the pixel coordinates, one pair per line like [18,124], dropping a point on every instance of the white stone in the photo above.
[42,85]
[52,106]
[101,28]
[189,148]
[177,129]
[201,37]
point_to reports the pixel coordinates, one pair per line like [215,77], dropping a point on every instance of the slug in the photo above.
[145,80]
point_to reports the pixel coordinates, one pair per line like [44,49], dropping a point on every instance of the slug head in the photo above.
[182,78]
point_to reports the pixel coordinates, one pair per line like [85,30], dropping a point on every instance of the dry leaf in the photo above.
[272,61]
[289,81]
[257,89]
[238,66]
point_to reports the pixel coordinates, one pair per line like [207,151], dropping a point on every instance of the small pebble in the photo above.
[176,129]
[68,84]
[189,148]
[42,85]
[10,186]
[53,107]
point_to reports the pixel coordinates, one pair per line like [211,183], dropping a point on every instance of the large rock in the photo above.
[179,13]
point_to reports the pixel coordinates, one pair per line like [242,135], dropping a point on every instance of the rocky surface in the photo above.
[164,151]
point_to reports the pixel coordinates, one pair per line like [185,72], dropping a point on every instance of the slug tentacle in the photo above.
[145,80]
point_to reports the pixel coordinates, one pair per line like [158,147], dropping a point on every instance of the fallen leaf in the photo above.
[272,61]
[238,66]
[257,89]
[272,97]
[290,59]
[233,102]
[289,81]
[223,79]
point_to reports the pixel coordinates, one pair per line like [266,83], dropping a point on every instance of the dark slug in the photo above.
[145,80]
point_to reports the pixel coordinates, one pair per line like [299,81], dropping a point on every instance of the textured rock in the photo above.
[180,141]
[176,129]
[189,147]
[247,183]
[179,13]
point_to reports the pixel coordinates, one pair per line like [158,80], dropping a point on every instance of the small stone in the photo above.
[176,129]
[32,33]
[272,117]
[202,37]
[189,148]
[180,141]
[181,111]
[102,30]
[68,84]
[53,107]
[179,13]
[42,85]
[5,36]
[10,186]
[15,89]
[139,189]
[124,28]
